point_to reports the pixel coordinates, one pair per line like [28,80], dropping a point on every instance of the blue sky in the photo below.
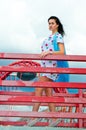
[23,25]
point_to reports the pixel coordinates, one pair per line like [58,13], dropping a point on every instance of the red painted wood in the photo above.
[42,114]
[21,83]
[32,99]
[17,93]
[24,63]
[67,125]
[80,109]
[22,123]
[43,99]
[66,95]
[37,57]
[84,125]
[41,69]
[33,93]
[31,104]
[13,123]
[59,99]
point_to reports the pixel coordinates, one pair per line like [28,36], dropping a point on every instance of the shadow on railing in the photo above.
[14,94]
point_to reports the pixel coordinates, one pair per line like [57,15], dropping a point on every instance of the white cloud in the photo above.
[16,32]
[77,44]
[24,23]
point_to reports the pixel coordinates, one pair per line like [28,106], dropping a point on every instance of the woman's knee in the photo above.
[48,91]
[38,91]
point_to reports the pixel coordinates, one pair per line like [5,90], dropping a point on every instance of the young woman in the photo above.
[47,48]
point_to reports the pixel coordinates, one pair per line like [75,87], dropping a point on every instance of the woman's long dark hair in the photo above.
[60,27]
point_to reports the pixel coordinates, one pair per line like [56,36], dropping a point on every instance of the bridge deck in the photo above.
[10,97]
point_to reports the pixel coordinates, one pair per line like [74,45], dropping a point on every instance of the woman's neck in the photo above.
[53,32]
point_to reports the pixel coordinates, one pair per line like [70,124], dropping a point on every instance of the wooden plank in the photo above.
[43,114]
[42,104]
[31,99]
[33,93]
[37,57]
[20,83]
[43,70]
[14,123]
[43,99]
[43,124]
[12,93]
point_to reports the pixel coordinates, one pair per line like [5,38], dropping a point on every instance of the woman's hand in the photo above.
[45,53]
[38,75]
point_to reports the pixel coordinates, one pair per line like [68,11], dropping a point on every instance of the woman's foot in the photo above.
[32,122]
[54,122]
[24,119]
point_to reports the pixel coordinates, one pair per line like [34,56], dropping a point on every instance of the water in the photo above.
[24,89]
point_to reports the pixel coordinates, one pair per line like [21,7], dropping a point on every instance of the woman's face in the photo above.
[53,26]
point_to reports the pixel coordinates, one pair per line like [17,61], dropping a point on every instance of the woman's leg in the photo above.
[48,92]
[38,92]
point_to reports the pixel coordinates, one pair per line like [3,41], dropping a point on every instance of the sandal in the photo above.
[24,119]
[33,121]
[54,122]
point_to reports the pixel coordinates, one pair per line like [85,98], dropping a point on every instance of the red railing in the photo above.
[28,98]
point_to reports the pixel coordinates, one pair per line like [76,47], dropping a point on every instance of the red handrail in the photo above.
[61,99]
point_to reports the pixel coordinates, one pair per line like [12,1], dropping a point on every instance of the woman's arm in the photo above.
[61,49]
[60,52]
